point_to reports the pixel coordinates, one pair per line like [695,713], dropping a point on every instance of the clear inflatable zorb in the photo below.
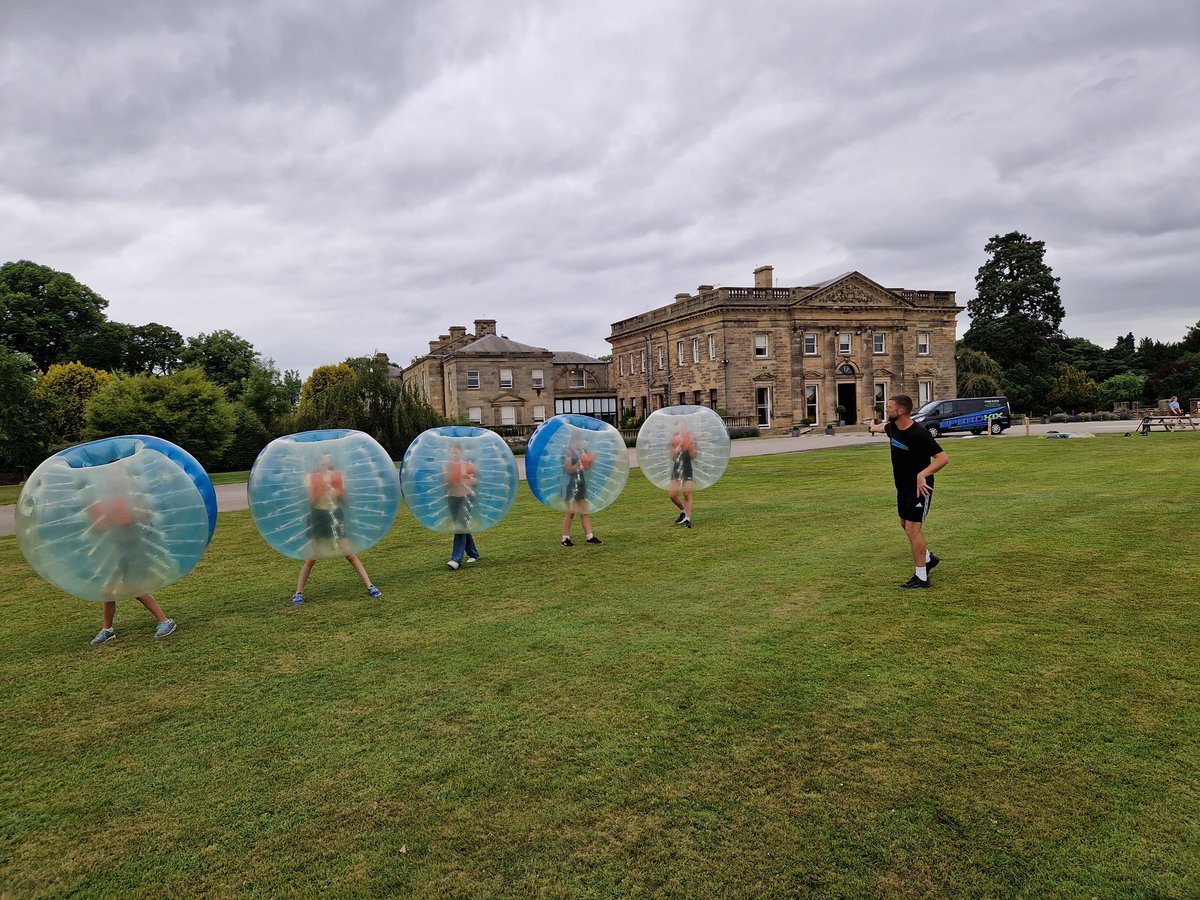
[576,463]
[458,478]
[323,494]
[116,518]
[679,444]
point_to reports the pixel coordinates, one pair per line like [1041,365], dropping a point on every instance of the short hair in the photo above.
[903,400]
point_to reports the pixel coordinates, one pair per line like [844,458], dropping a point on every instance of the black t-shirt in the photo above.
[912,449]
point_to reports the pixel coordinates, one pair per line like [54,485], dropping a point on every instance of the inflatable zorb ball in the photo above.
[458,478]
[116,518]
[323,494]
[574,459]
[678,444]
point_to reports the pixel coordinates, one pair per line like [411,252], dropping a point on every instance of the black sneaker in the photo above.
[932,564]
[593,540]
[915,582]
[687,523]
[567,542]
[682,518]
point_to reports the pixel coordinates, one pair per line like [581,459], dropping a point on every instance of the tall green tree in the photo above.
[46,314]
[1191,340]
[1127,387]
[1016,281]
[224,357]
[978,374]
[153,348]
[64,391]
[1073,391]
[22,435]
[329,399]
[184,407]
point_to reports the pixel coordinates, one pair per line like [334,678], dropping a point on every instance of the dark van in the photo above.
[973,414]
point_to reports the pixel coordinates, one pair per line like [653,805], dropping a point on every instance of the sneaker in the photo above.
[105,635]
[915,582]
[932,564]
[681,518]
[593,540]
[452,564]
[472,559]
[165,628]
[567,542]
[297,598]
[687,523]
[374,591]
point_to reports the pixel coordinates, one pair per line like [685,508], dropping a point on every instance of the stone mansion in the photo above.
[780,356]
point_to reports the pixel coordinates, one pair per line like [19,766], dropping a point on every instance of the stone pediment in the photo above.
[507,399]
[853,291]
[888,372]
[764,376]
[810,375]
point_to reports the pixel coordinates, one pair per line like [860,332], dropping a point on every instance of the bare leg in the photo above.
[687,500]
[110,611]
[567,519]
[674,495]
[358,567]
[305,570]
[916,540]
[148,601]
[587,525]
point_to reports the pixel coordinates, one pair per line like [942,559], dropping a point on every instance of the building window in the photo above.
[472,380]
[506,378]
[632,364]
[621,366]
[762,345]
[538,380]
[811,406]
[924,393]
[712,398]
[922,343]
[712,346]
[681,398]
[475,414]
[661,360]
[696,398]
[539,414]
[508,415]
[880,343]
[880,392]
[695,349]
[762,402]
[643,362]
[810,345]
[679,351]
[844,344]
[578,378]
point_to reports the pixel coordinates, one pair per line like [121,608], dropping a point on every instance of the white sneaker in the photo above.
[452,564]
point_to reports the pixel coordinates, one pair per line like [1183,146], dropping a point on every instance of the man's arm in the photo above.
[877,429]
[936,464]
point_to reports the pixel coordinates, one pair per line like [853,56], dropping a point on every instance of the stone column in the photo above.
[829,415]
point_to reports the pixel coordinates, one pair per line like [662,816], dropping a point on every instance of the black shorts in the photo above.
[681,468]
[326,524]
[913,508]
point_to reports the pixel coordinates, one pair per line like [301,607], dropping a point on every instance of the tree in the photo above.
[1153,355]
[64,391]
[224,357]
[269,395]
[1180,378]
[1073,390]
[978,374]
[184,407]
[154,349]
[1015,281]
[249,437]
[329,399]
[22,441]
[45,313]
[1191,340]
[105,347]
[1127,387]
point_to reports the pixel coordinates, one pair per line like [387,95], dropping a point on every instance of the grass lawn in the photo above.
[748,708]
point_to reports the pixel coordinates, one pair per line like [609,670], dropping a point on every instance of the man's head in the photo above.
[899,405]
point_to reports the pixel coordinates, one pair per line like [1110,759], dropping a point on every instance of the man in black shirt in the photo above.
[915,457]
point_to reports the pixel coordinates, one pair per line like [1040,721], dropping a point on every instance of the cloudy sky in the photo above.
[329,180]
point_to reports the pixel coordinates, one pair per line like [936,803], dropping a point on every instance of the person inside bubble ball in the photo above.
[458,473]
[576,461]
[327,524]
[683,451]
[120,522]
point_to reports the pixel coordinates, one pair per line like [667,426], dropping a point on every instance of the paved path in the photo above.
[232,497]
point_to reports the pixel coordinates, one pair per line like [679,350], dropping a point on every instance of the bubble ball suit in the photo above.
[681,441]
[458,478]
[590,445]
[323,494]
[116,518]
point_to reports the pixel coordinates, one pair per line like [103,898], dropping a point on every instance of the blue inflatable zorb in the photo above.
[459,478]
[681,445]
[116,518]
[576,463]
[323,494]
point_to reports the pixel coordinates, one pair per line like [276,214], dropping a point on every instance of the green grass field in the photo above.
[749,708]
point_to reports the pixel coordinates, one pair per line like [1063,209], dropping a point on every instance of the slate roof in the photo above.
[495,344]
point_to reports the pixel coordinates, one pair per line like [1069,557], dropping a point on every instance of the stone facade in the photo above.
[493,381]
[778,356]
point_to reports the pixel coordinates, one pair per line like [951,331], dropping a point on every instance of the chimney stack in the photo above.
[764,277]
[484,327]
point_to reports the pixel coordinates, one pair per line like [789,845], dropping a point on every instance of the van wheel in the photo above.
[976,431]
[933,430]
[997,428]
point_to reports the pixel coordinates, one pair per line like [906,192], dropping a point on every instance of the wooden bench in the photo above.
[1166,423]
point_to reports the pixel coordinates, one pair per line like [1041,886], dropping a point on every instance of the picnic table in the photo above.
[1166,423]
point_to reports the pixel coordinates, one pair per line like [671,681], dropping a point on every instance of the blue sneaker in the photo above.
[165,628]
[105,635]
[374,591]
[297,598]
